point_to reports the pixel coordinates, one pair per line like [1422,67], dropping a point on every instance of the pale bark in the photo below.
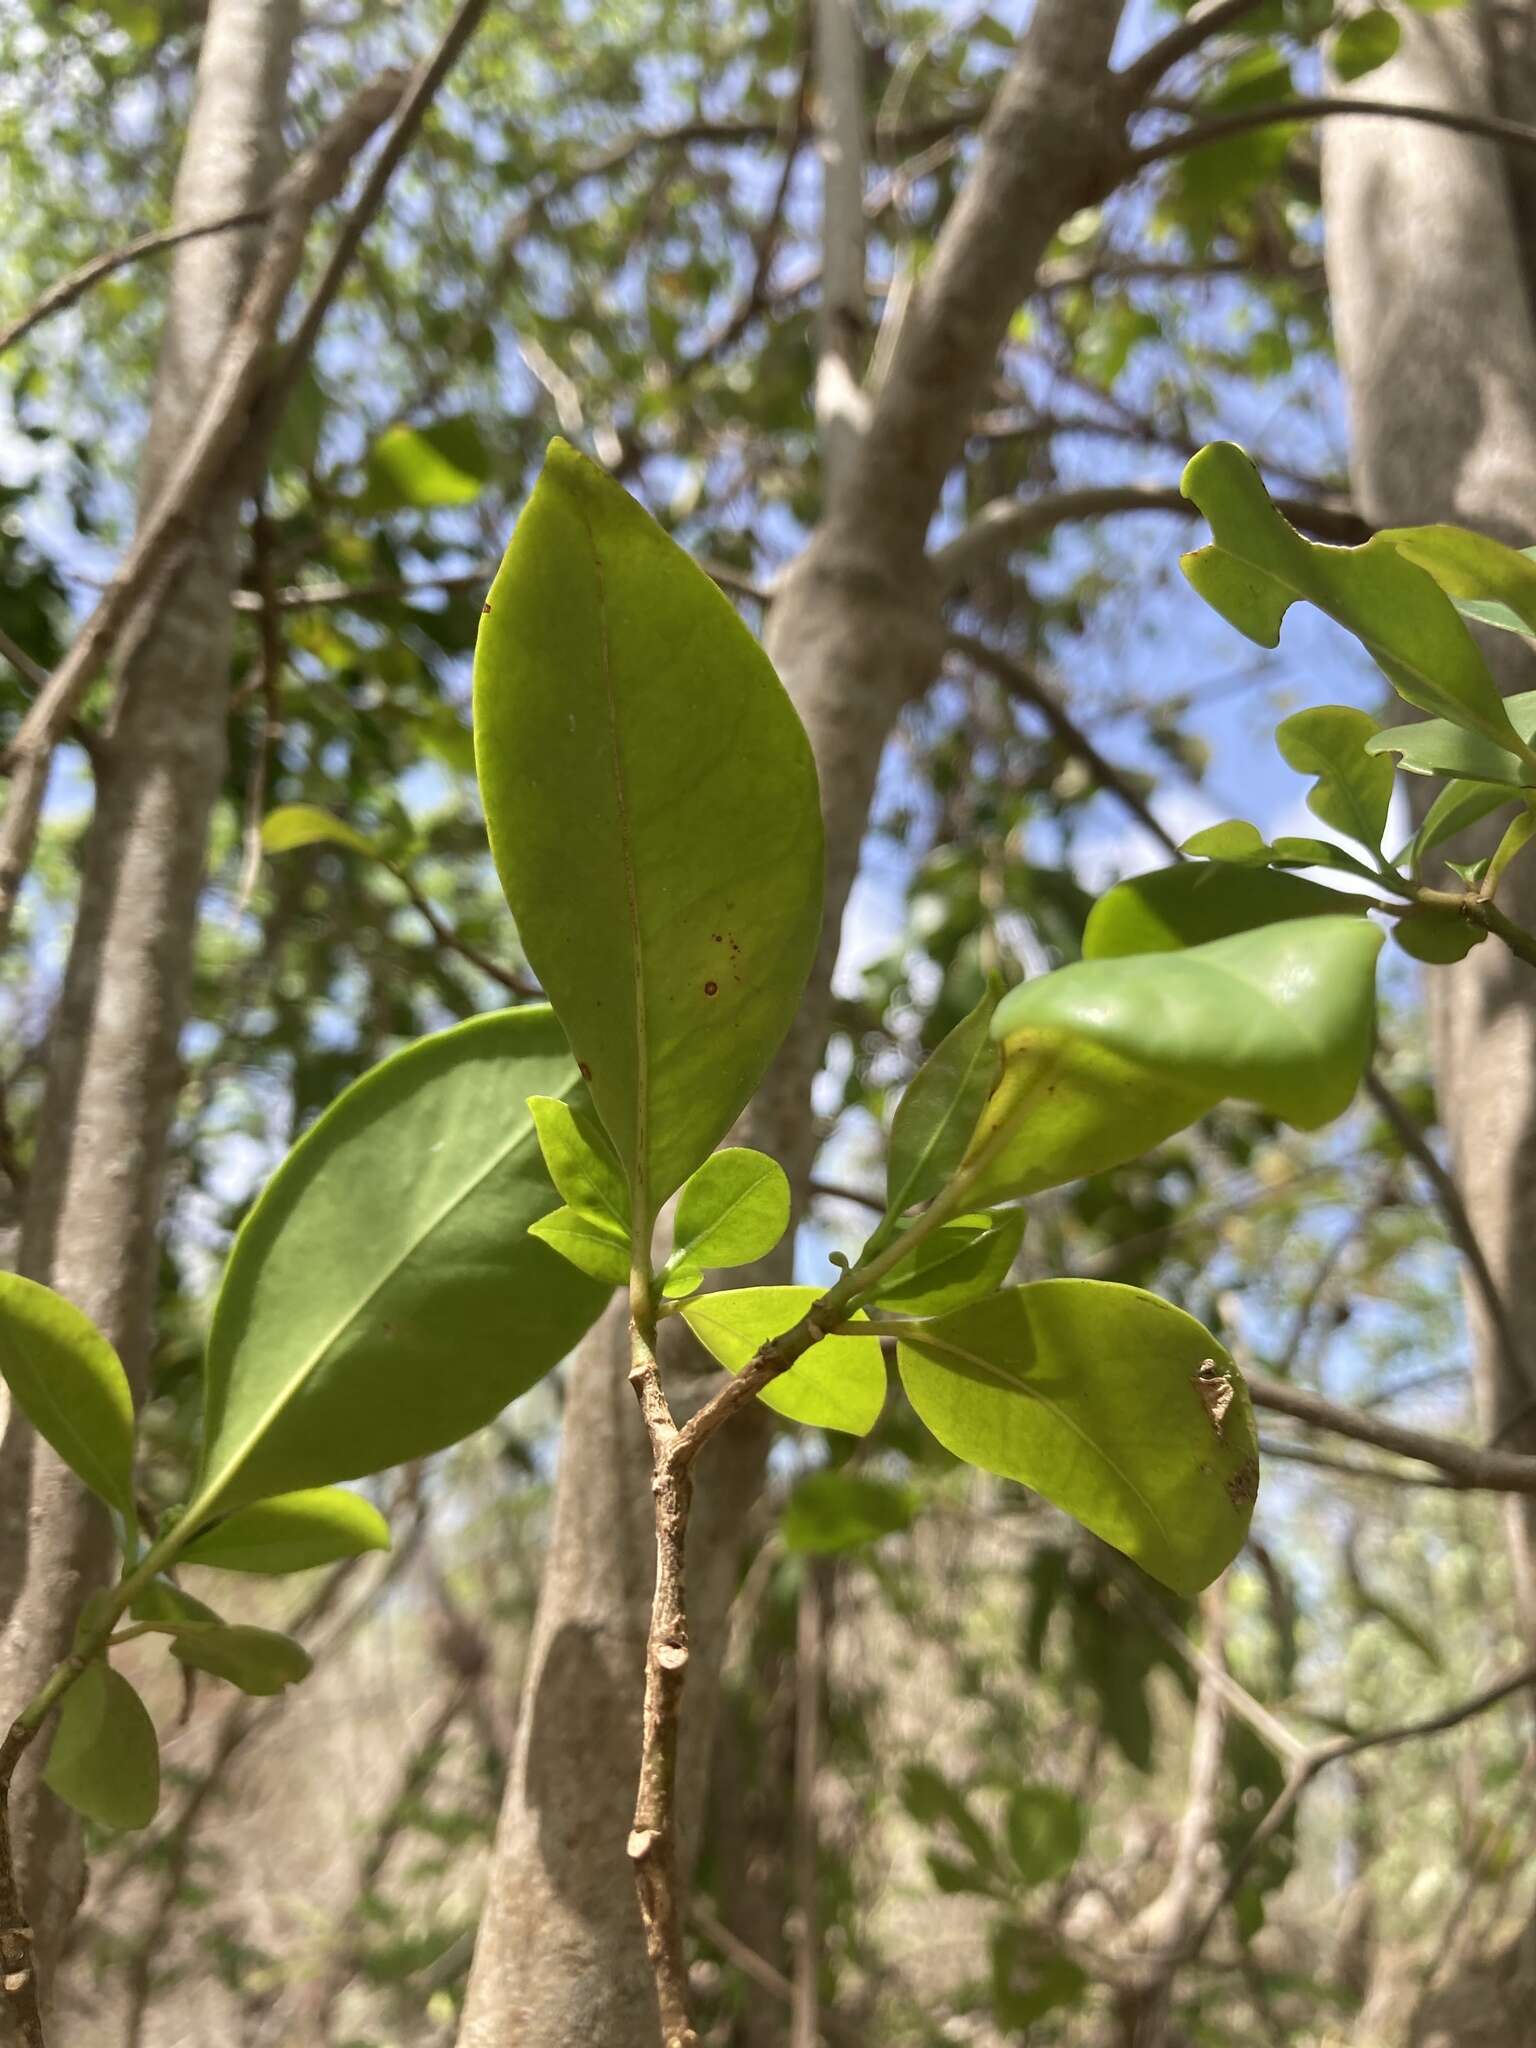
[1433,313]
[856,633]
[92,1217]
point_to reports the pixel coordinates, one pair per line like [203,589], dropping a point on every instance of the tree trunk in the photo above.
[91,1224]
[856,633]
[1432,303]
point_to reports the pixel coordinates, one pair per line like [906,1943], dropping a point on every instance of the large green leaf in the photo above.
[936,1116]
[104,1760]
[1259,565]
[1182,906]
[1353,791]
[838,1384]
[1438,746]
[653,811]
[1487,581]
[1106,1058]
[1118,1407]
[384,1297]
[291,1533]
[69,1383]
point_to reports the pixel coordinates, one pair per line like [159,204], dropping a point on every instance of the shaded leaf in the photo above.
[1438,937]
[937,1114]
[1457,806]
[1365,42]
[104,1759]
[1236,841]
[830,1512]
[1437,746]
[1045,1832]
[1489,582]
[257,1660]
[383,1297]
[69,1383]
[1170,908]
[1114,1405]
[446,463]
[957,1263]
[589,1244]
[653,812]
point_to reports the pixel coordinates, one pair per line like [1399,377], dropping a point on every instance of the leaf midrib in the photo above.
[1008,1384]
[207,1495]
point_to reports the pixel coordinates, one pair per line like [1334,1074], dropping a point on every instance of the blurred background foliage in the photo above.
[613,235]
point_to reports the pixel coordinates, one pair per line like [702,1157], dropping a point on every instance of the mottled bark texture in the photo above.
[856,633]
[1429,240]
[90,1227]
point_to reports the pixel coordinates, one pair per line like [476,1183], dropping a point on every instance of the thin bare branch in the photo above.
[171,520]
[1031,689]
[1464,1465]
[1196,29]
[78,282]
[1492,127]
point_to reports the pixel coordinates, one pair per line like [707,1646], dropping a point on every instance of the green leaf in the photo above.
[1259,566]
[1457,806]
[1236,841]
[1433,746]
[1171,908]
[384,1297]
[1517,836]
[1116,1406]
[69,1383]
[1437,937]
[104,1759]
[653,812]
[291,826]
[1045,1832]
[937,1114]
[1106,1058]
[1292,851]
[163,1602]
[1486,580]
[446,463]
[829,1512]
[1354,788]
[291,1533]
[257,1660]
[1365,43]
[589,1244]
[581,1164]
[734,1209]
[959,1262]
[934,1802]
[838,1384]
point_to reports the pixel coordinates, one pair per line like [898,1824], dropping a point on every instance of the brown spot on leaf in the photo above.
[711,988]
[485,608]
[586,1071]
[1243,1486]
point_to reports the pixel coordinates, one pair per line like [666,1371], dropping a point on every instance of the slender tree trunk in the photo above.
[856,633]
[92,1218]
[1428,241]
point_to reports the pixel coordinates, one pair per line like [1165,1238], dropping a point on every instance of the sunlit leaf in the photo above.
[838,1384]
[1354,788]
[590,1244]
[292,1532]
[1114,1405]
[257,1660]
[1259,566]
[1185,906]
[959,1262]
[734,1209]
[653,812]
[291,826]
